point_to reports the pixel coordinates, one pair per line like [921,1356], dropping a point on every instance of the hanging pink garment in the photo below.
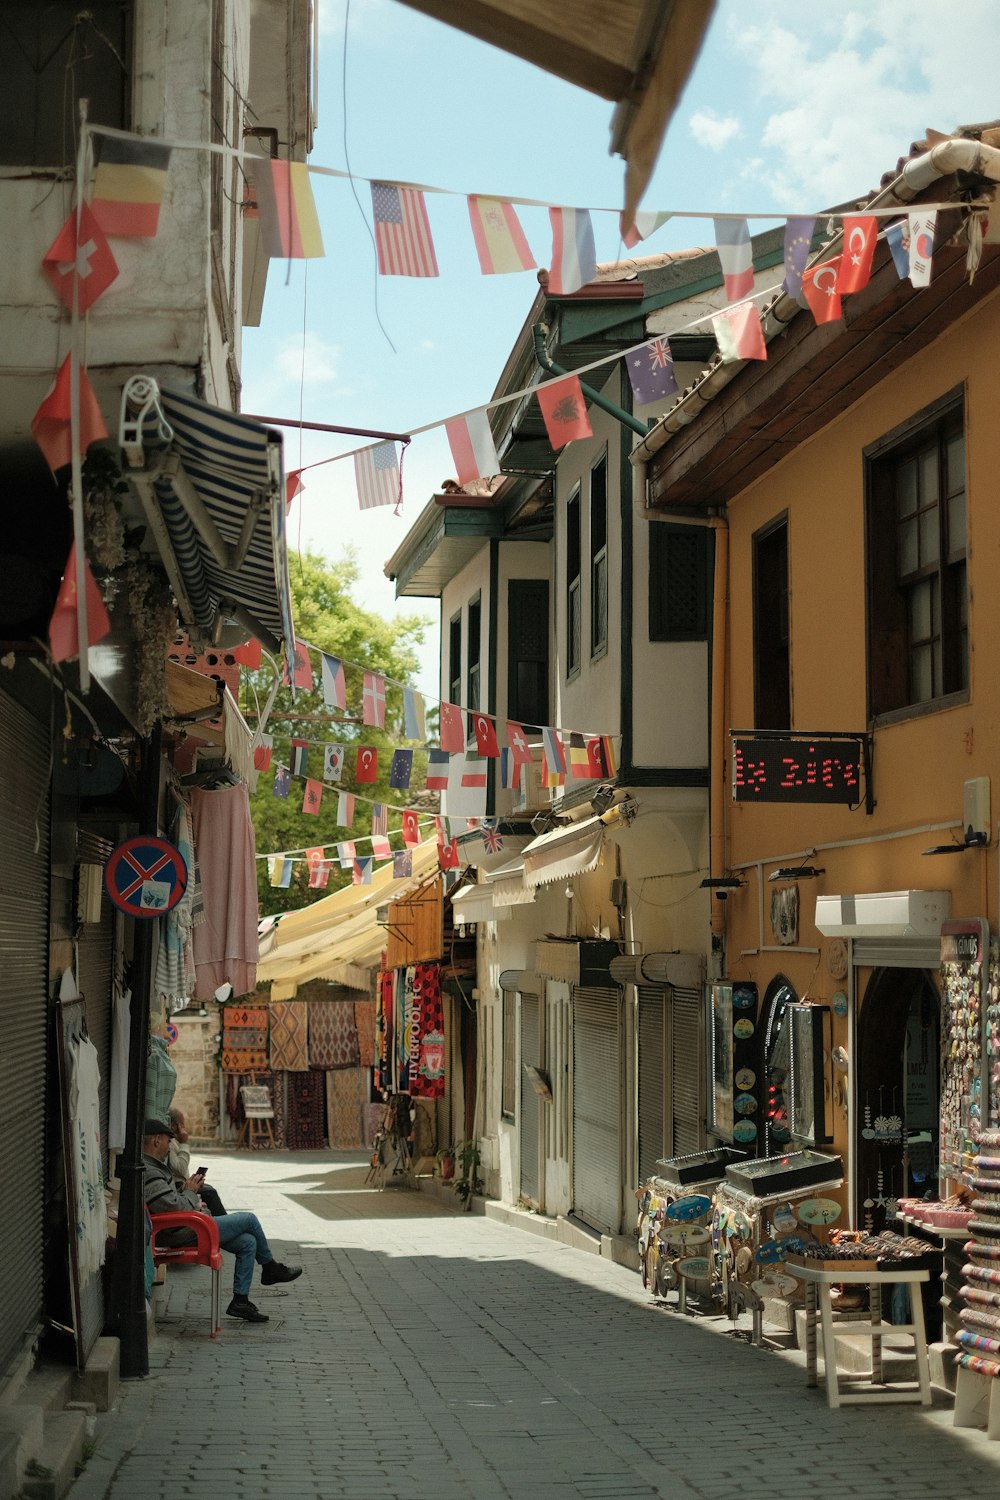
[225,943]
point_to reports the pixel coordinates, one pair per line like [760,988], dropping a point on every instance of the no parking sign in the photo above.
[145,876]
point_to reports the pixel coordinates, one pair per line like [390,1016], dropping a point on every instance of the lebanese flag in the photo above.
[82,257]
[738,333]
[500,242]
[732,241]
[472,446]
[51,422]
[820,289]
[860,234]
[411,831]
[486,736]
[518,743]
[452,730]
[63,635]
[574,259]
[564,410]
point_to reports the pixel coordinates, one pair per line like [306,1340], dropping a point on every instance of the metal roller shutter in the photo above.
[530,1008]
[597,1096]
[896,953]
[687,1072]
[652,1115]
[24,903]
[96,965]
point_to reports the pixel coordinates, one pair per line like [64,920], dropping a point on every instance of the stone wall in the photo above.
[194,1055]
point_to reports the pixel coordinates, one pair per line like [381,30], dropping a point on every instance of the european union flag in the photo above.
[402,765]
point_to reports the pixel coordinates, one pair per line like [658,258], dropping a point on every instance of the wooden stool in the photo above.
[258,1112]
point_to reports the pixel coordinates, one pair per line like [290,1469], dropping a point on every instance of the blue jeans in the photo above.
[243,1237]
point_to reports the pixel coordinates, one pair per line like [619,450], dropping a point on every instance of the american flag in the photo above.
[380,818]
[402,231]
[376,474]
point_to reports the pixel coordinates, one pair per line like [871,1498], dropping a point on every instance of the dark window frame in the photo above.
[693,547]
[535,714]
[455,658]
[574,585]
[474,652]
[772,653]
[598,528]
[508,1054]
[890,593]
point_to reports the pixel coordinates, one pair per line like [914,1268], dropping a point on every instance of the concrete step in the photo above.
[11,1462]
[49,1387]
[50,1474]
[854,1350]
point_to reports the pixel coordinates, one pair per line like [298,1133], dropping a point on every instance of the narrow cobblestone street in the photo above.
[431,1354]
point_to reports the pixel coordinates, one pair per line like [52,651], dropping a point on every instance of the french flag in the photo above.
[574,259]
[732,240]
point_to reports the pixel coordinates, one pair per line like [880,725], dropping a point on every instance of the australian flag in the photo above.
[651,371]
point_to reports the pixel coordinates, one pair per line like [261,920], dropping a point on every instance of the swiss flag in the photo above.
[564,410]
[452,736]
[411,833]
[820,287]
[85,259]
[63,636]
[518,743]
[860,234]
[486,736]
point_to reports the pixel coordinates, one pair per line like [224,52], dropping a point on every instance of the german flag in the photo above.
[128,187]
[289,225]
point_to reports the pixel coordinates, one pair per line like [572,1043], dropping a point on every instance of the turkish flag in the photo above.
[821,290]
[51,422]
[367,766]
[452,736]
[448,855]
[411,833]
[596,756]
[564,410]
[63,636]
[486,736]
[518,743]
[84,258]
[860,234]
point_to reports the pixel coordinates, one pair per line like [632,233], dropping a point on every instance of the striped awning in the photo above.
[212,487]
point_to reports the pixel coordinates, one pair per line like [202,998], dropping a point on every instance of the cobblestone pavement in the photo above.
[436,1356]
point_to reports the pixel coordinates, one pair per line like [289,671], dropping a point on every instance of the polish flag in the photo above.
[472,446]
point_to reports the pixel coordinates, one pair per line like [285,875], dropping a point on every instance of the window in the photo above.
[573,593]
[508,1082]
[599,558]
[528,651]
[475,646]
[680,563]
[455,660]
[772,688]
[918,618]
[53,55]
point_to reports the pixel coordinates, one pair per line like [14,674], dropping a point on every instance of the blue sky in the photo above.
[791,107]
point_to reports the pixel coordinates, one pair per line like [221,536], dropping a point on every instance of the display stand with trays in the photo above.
[977,1393]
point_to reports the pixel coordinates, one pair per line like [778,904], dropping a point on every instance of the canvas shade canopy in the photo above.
[563,853]
[474,903]
[212,489]
[506,885]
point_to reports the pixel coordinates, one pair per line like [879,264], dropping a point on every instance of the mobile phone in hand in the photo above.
[201,1172]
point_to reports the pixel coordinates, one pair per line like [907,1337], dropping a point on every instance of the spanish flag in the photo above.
[128,187]
[289,225]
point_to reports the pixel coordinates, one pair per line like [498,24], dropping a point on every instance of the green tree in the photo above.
[328,617]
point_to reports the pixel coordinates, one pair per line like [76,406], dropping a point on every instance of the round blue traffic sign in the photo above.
[145,876]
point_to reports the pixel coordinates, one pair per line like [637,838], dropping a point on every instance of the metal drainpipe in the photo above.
[625,417]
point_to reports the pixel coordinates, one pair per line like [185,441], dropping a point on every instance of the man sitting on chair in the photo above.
[241,1233]
[179,1162]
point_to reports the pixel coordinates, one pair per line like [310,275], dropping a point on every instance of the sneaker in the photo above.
[275,1272]
[242,1307]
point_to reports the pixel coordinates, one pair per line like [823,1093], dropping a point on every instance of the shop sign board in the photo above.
[145,876]
[964,940]
[694,1268]
[790,769]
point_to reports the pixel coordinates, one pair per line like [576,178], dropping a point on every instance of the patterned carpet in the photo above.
[346,1097]
[305,1112]
[364,1016]
[289,1047]
[333,1034]
[244,1038]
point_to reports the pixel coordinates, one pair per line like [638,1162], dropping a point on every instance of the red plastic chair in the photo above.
[205,1252]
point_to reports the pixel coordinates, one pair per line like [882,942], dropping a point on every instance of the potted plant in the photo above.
[446,1163]
[468,1182]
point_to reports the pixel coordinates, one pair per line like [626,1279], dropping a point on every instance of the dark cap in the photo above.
[156,1127]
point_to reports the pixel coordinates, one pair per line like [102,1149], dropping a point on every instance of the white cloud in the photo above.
[712,131]
[312,354]
[844,95]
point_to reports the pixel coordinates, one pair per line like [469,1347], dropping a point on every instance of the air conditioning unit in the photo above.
[883,914]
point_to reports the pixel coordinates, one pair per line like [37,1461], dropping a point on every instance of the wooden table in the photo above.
[818,1284]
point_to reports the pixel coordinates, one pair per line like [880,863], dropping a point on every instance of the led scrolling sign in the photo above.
[819,768]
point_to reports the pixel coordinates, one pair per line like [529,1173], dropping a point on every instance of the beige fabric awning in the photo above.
[474,903]
[507,887]
[563,853]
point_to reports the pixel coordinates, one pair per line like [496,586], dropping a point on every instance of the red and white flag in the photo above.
[574,259]
[732,240]
[518,743]
[500,242]
[345,809]
[83,258]
[64,637]
[262,753]
[819,288]
[376,473]
[922,230]
[738,333]
[293,486]
[486,735]
[564,410]
[448,855]
[312,797]
[51,422]
[373,700]
[472,447]
[367,764]
[860,235]
[381,848]
[402,231]
[452,730]
[411,830]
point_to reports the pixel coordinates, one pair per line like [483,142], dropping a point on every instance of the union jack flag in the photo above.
[492,840]
[659,353]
